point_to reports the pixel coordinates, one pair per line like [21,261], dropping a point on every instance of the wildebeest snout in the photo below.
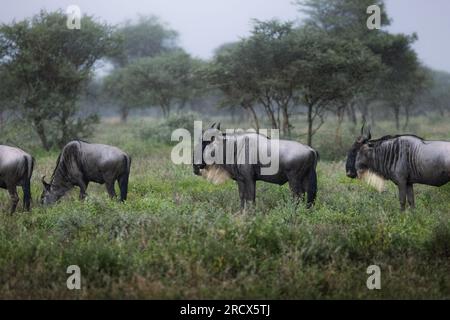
[197,171]
[351,174]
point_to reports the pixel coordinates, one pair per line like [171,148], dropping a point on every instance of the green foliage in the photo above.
[345,18]
[146,37]
[165,81]
[47,66]
[163,131]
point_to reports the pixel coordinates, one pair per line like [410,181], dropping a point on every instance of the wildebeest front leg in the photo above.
[402,195]
[83,187]
[410,196]
[251,191]
[14,198]
[241,187]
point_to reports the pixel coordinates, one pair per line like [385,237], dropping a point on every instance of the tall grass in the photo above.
[180,237]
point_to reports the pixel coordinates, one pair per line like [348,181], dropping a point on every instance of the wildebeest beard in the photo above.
[215,174]
[373,179]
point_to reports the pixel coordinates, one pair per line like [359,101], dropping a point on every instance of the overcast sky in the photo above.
[205,24]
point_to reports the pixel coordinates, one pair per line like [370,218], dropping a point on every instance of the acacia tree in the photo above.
[165,81]
[47,66]
[118,88]
[226,73]
[400,77]
[279,66]
[258,71]
[145,37]
[332,71]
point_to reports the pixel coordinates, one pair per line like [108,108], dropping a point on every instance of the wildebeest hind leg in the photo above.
[410,196]
[297,189]
[123,186]
[402,195]
[14,198]
[247,193]
[110,189]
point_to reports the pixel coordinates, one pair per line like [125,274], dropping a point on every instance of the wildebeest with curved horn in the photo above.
[403,159]
[16,168]
[81,162]
[296,165]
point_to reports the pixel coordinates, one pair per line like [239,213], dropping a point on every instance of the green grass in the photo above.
[180,237]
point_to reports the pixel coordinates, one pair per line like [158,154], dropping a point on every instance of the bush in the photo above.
[163,131]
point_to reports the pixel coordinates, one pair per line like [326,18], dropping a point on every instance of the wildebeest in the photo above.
[16,168]
[403,159]
[297,165]
[81,162]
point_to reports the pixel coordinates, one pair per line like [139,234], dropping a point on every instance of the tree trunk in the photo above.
[40,130]
[364,113]
[352,114]
[338,135]
[286,124]
[254,116]
[166,111]
[271,117]
[278,118]
[405,126]
[397,116]
[310,124]
[124,112]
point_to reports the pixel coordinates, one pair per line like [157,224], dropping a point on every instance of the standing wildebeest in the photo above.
[297,165]
[16,168]
[80,163]
[403,159]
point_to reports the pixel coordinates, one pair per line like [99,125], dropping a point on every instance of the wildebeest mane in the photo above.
[377,142]
[69,155]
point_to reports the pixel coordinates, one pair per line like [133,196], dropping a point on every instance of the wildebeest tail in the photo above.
[312,183]
[26,185]
[123,179]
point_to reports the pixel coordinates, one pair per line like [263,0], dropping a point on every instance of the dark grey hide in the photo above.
[16,168]
[297,166]
[403,159]
[80,163]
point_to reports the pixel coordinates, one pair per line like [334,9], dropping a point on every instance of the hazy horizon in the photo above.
[204,25]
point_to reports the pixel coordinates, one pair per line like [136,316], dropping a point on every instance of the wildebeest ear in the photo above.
[46,185]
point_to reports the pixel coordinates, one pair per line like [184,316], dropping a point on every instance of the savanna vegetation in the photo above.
[178,236]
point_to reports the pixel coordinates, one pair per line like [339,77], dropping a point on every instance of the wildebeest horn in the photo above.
[365,133]
[43,181]
[214,124]
[218,126]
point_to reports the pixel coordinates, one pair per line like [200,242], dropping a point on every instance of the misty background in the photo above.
[204,25]
[293,65]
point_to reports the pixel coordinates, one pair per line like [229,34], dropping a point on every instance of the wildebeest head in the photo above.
[359,156]
[47,196]
[204,143]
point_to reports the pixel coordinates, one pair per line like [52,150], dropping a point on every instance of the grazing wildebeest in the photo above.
[81,162]
[403,159]
[16,168]
[297,165]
